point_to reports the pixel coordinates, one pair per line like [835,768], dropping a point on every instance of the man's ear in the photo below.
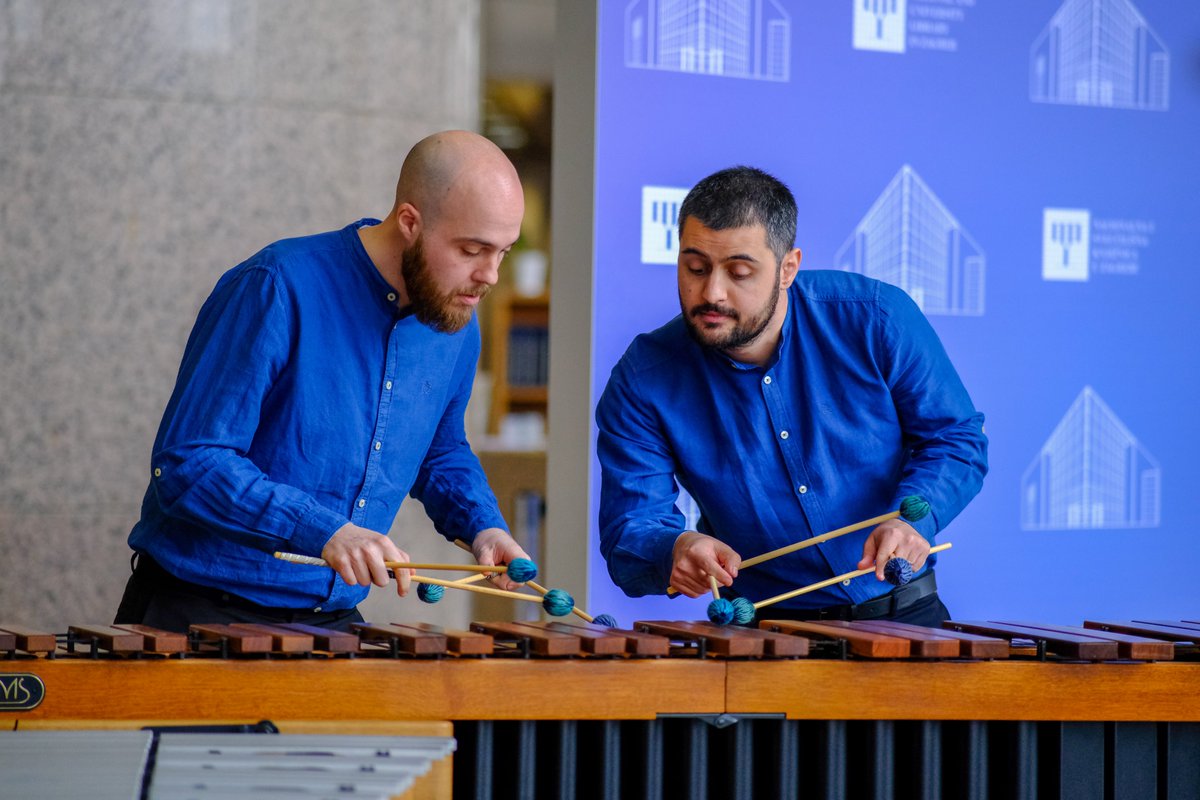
[789,268]
[408,221]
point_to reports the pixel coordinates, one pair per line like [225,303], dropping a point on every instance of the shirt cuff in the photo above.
[480,520]
[314,529]
[927,525]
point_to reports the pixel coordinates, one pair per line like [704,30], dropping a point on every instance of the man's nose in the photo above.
[489,271]
[713,288]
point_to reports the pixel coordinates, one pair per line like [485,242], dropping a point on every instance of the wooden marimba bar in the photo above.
[1014,708]
[772,639]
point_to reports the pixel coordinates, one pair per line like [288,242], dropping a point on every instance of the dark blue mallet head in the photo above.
[720,611]
[914,507]
[521,570]
[897,571]
[743,611]
[430,593]
[558,603]
[607,620]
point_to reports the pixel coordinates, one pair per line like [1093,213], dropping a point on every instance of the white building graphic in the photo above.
[1100,53]
[660,223]
[733,38]
[909,239]
[1091,473]
[880,25]
[1066,235]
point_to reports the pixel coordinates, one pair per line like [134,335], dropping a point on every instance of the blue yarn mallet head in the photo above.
[913,508]
[430,593]
[721,611]
[607,620]
[897,571]
[558,603]
[743,611]
[521,570]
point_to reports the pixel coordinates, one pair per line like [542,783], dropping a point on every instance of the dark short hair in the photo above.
[739,197]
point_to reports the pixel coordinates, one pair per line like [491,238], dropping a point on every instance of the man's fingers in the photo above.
[378,572]
[362,569]
[688,585]
[403,581]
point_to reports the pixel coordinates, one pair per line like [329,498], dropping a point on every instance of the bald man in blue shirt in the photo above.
[787,404]
[325,379]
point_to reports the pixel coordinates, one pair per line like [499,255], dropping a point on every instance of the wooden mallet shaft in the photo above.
[716,587]
[467,587]
[542,590]
[770,601]
[320,562]
[824,537]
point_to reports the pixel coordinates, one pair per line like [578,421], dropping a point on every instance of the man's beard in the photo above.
[430,305]
[742,333]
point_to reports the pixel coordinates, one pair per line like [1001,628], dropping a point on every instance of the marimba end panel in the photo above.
[965,690]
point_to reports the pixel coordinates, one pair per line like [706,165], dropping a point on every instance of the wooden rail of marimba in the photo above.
[555,670]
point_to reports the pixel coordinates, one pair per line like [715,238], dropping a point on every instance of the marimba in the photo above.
[828,709]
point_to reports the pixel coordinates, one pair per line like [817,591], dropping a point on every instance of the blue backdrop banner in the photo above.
[1028,171]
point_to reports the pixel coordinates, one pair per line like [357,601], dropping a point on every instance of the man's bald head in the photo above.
[444,163]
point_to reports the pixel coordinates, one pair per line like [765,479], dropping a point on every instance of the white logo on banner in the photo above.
[660,223]
[879,25]
[1091,473]
[1100,53]
[1066,233]
[732,38]
[909,239]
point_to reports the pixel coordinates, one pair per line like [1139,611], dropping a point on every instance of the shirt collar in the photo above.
[383,291]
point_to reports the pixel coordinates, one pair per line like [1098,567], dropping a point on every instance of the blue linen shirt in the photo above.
[858,408]
[305,400]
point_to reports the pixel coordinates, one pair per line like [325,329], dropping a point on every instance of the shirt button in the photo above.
[317,610]
[388,386]
[391,297]
[767,380]
[846,582]
[157,472]
[783,434]
[802,489]
[362,503]
[378,445]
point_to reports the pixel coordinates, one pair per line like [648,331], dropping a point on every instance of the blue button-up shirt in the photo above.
[858,408]
[306,399]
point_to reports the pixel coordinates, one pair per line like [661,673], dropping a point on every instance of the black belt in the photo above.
[890,604]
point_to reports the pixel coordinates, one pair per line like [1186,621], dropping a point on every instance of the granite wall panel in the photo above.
[146,146]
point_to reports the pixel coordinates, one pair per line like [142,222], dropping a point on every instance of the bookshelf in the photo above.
[520,337]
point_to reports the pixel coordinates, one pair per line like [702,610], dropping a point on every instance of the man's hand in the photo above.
[493,546]
[358,555]
[894,538]
[697,556]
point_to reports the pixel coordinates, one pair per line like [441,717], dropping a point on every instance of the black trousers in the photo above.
[916,603]
[157,598]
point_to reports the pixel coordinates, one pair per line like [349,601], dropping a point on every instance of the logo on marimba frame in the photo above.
[21,691]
